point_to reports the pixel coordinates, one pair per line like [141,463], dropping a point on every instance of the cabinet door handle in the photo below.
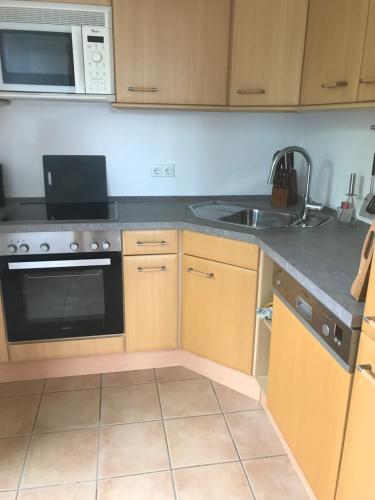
[367,81]
[151,269]
[335,85]
[143,89]
[198,273]
[366,371]
[151,243]
[250,91]
[370,320]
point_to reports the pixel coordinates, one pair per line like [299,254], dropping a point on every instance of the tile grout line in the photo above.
[233,441]
[98,441]
[165,437]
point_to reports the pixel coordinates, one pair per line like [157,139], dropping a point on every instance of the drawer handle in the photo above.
[143,89]
[370,320]
[366,371]
[151,243]
[198,273]
[367,81]
[335,85]
[250,91]
[151,269]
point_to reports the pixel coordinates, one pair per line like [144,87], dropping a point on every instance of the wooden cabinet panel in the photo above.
[308,395]
[268,40]
[366,91]
[172,51]
[357,479]
[334,45]
[237,253]
[151,298]
[150,242]
[218,312]
[368,324]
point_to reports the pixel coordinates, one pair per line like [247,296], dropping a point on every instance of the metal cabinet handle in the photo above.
[367,81]
[151,243]
[151,269]
[335,85]
[198,273]
[250,91]
[143,89]
[370,320]
[366,371]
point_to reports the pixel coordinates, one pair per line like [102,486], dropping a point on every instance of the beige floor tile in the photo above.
[73,383]
[131,403]
[61,458]
[80,491]
[187,398]
[254,435]
[274,479]
[155,486]
[132,449]
[8,495]
[128,378]
[12,457]
[175,373]
[214,482]
[234,401]
[21,388]
[68,410]
[199,441]
[17,414]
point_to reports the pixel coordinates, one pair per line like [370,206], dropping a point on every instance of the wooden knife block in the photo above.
[283,197]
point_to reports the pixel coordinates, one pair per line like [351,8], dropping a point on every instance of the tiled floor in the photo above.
[160,434]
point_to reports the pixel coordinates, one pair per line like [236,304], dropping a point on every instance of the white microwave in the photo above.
[56,50]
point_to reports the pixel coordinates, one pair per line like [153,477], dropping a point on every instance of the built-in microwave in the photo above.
[55,50]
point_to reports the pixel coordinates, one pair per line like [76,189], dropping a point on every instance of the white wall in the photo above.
[214,152]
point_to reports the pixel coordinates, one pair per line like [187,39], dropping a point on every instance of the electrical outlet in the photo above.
[163,170]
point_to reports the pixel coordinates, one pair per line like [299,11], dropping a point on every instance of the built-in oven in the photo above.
[49,48]
[61,285]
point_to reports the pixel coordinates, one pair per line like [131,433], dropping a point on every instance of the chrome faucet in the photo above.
[307,203]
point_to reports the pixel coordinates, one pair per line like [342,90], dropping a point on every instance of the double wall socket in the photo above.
[163,170]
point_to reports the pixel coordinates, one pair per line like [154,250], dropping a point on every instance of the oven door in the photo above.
[41,58]
[62,296]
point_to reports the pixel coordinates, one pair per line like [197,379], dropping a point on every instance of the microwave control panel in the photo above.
[97,52]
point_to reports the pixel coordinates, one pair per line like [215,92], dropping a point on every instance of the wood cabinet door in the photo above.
[308,395]
[366,91]
[151,298]
[357,479]
[218,312]
[172,51]
[268,40]
[333,54]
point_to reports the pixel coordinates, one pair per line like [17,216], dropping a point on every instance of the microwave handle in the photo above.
[78,61]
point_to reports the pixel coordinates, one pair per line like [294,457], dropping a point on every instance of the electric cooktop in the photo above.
[41,212]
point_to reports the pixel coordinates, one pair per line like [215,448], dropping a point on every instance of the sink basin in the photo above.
[241,215]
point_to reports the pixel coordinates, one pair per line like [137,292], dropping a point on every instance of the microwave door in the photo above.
[40,58]
[78,62]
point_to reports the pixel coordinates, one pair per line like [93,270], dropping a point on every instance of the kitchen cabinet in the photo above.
[308,394]
[268,41]
[333,53]
[172,52]
[366,91]
[151,302]
[150,242]
[218,311]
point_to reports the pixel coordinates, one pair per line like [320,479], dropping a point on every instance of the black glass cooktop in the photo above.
[40,212]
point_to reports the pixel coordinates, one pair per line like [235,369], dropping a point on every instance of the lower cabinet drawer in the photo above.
[150,242]
[151,299]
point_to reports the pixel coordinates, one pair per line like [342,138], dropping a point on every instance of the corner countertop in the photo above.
[324,259]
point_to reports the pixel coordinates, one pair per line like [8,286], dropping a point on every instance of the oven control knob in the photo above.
[106,245]
[96,56]
[44,247]
[24,248]
[12,248]
[74,246]
[94,245]
[326,330]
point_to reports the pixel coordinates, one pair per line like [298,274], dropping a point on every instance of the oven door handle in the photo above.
[55,264]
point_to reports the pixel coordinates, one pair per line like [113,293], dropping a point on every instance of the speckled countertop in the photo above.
[324,260]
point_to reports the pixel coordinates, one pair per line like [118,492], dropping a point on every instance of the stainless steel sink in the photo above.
[242,215]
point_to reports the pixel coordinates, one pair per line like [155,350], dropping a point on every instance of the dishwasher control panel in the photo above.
[340,340]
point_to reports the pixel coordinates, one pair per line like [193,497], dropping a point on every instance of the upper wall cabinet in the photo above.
[267,52]
[172,51]
[334,45]
[366,90]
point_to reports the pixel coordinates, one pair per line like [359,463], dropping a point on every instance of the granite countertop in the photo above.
[324,259]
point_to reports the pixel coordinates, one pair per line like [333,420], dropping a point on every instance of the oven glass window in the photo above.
[60,296]
[36,58]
